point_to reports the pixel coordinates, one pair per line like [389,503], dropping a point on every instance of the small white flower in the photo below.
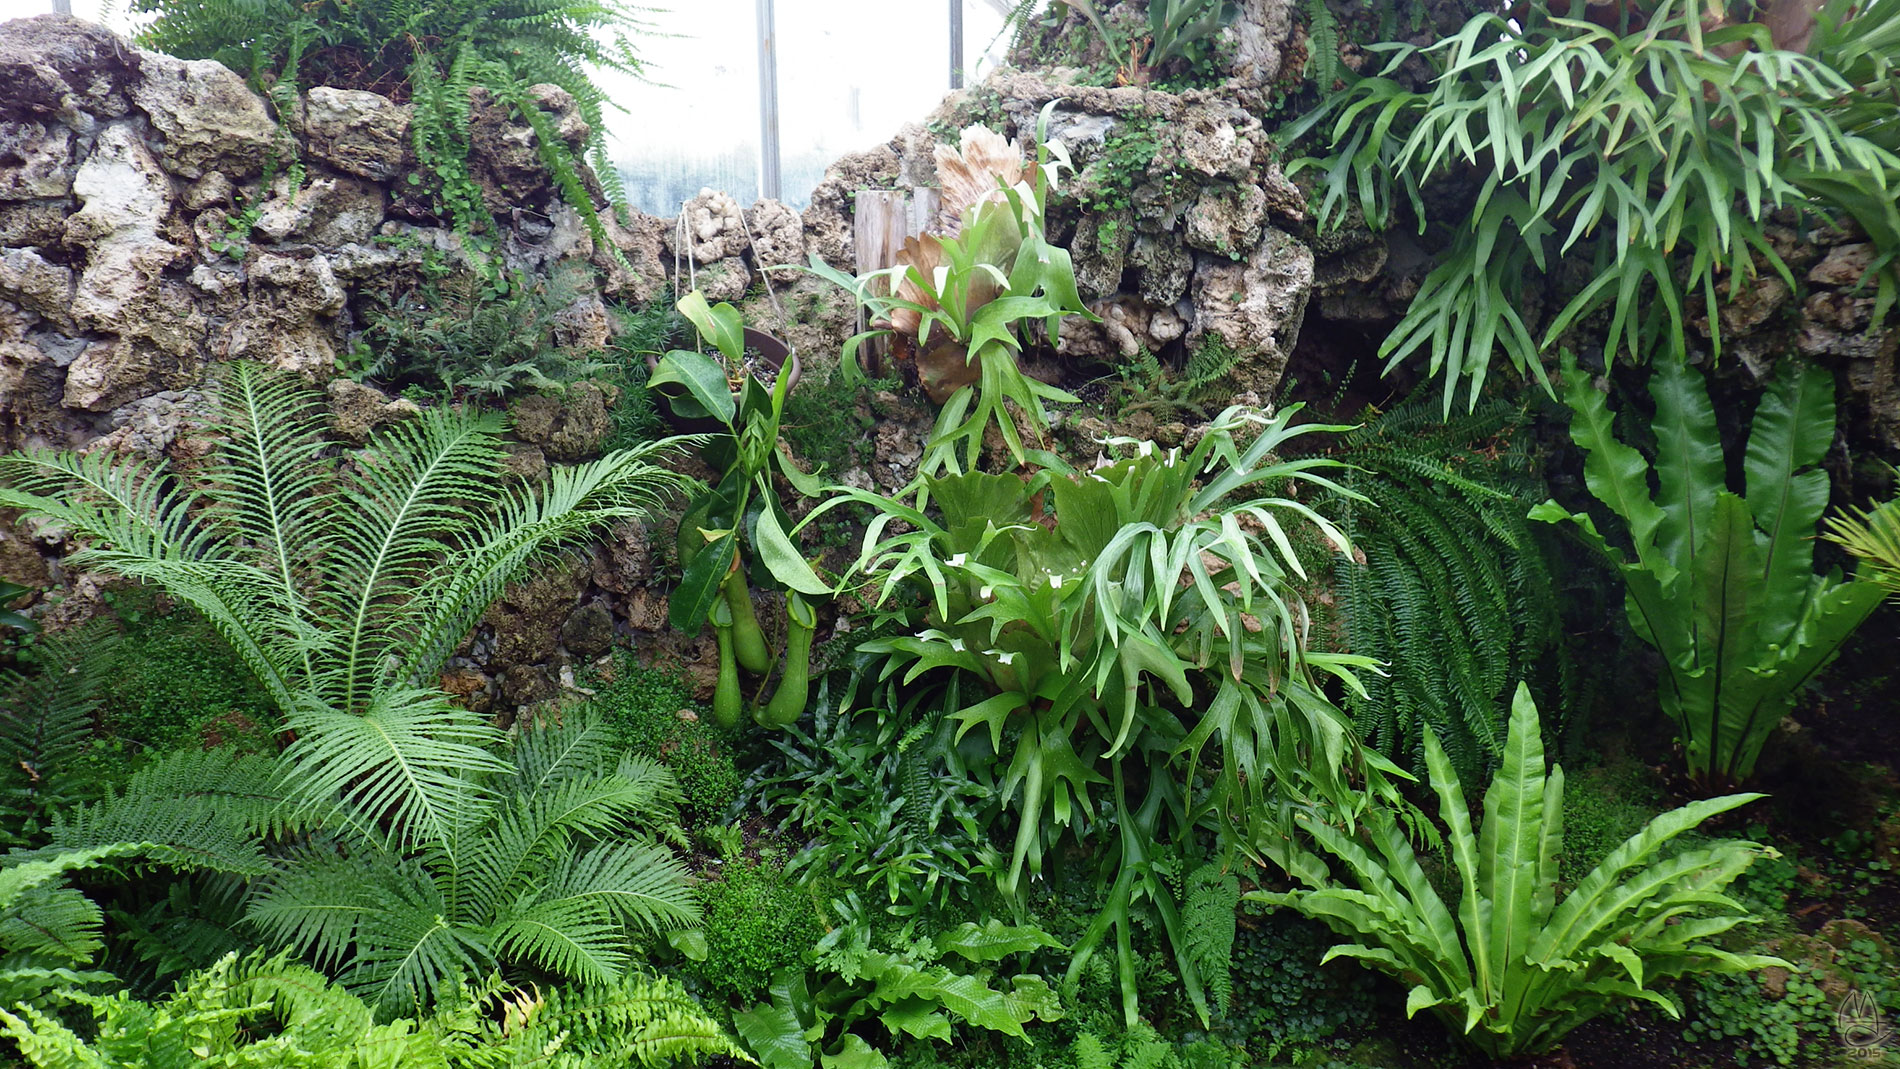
[986,593]
[955,560]
[1055,581]
[1003,658]
[956,644]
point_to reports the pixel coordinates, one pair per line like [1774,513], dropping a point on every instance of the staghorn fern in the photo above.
[1456,594]
[343,589]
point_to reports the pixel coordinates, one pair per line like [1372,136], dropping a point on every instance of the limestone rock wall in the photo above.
[128,276]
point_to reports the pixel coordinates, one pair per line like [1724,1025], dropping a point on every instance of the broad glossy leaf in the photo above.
[693,599]
[1510,846]
[774,1036]
[1728,595]
[1794,425]
[855,1053]
[784,560]
[703,378]
[1689,466]
[993,941]
[721,324]
[1615,473]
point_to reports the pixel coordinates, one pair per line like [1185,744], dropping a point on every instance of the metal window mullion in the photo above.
[768,102]
[956,44]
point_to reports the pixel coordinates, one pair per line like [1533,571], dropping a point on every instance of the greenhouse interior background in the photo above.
[678,130]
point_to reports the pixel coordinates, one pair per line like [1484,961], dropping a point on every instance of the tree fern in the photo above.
[344,588]
[546,861]
[1455,594]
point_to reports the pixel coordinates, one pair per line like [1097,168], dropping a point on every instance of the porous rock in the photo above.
[358,132]
[205,115]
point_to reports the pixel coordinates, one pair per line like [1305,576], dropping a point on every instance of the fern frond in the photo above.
[549,752]
[409,496]
[1455,595]
[526,525]
[648,1020]
[410,762]
[126,501]
[534,829]
[564,936]
[52,923]
[1873,535]
[314,904]
[271,487]
[642,884]
[1207,914]
[408,951]
[46,716]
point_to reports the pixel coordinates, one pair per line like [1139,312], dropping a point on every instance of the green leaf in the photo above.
[1794,425]
[774,1036]
[721,324]
[692,601]
[784,560]
[690,942]
[1510,847]
[1689,467]
[855,1053]
[703,378]
[993,941]
[1615,473]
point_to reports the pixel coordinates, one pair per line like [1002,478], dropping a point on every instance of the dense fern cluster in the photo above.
[262,1011]
[46,722]
[465,334]
[434,54]
[1202,383]
[1456,595]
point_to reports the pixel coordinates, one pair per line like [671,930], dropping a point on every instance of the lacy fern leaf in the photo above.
[1456,594]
